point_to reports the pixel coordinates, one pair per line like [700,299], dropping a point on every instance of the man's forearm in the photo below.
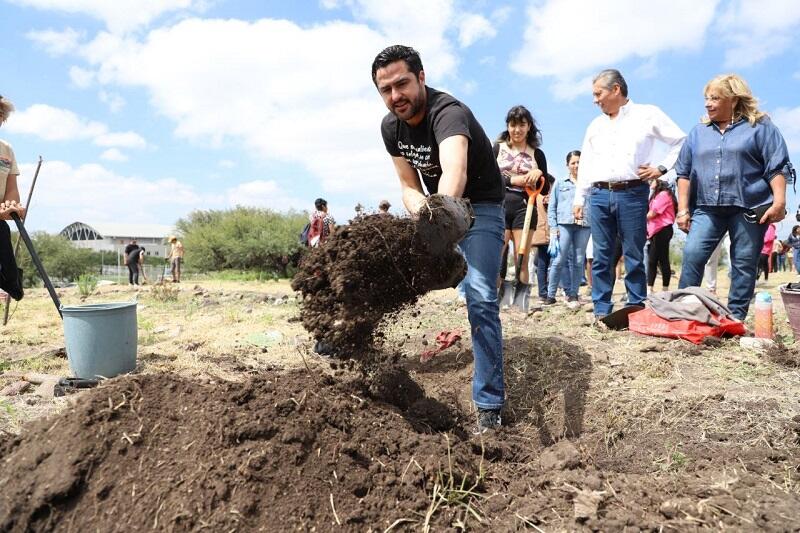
[453,183]
[412,199]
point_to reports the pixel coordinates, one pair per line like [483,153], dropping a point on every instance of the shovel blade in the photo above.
[506,294]
[522,297]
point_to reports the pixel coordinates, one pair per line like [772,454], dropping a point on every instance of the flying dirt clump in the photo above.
[376,266]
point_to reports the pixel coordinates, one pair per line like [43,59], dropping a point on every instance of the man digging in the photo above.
[432,137]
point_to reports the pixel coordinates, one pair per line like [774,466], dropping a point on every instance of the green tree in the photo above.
[243,238]
[60,258]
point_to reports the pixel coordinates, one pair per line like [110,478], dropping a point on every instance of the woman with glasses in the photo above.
[732,173]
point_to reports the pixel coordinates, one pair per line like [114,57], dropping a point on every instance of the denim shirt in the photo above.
[560,209]
[733,168]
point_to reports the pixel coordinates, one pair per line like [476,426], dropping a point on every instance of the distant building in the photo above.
[113,237]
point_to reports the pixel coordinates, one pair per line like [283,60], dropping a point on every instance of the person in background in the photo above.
[383,207]
[732,173]
[175,258]
[777,256]
[10,278]
[522,164]
[322,224]
[766,251]
[618,159]
[141,264]
[790,257]
[539,244]
[660,218]
[131,260]
[712,265]
[573,235]
[794,244]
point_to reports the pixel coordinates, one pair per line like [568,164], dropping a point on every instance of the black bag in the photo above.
[10,274]
[304,234]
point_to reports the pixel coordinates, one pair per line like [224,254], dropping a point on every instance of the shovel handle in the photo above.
[23,233]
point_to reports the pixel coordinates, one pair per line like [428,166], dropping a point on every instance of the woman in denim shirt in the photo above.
[572,235]
[732,174]
[794,242]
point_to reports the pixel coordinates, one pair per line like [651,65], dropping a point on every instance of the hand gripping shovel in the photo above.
[522,291]
[23,233]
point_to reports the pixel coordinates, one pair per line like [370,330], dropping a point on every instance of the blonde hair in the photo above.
[6,107]
[733,85]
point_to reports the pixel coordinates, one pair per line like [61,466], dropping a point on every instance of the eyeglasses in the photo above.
[708,98]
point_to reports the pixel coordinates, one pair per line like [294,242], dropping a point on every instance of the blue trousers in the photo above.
[573,239]
[482,247]
[709,224]
[622,213]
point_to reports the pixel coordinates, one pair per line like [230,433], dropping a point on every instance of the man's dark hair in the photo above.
[611,77]
[397,52]
[319,203]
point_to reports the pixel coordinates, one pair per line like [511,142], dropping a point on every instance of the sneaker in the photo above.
[487,419]
[573,303]
[549,301]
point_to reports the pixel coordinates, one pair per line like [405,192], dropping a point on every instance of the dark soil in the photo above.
[300,451]
[366,270]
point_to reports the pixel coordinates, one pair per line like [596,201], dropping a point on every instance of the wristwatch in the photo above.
[662,169]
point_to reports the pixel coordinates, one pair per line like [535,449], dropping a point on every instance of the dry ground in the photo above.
[661,409]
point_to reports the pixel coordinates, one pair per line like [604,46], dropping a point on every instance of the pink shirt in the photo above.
[662,205]
[769,239]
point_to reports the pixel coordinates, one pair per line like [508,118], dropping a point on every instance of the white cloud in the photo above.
[227,163]
[118,15]
[114,101]
[565,90]
[264,193]
[788,120]
[501,14]
[81,77]
[419,23]
[55,124]
[603,35]
[57,43]
[755,31]
[213,79]
[114,154]
[473,27]
[97,194]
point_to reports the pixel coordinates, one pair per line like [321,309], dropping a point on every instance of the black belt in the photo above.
[617,185]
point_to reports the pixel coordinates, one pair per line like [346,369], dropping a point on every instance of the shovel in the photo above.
[23,233]
[522,291]
[505,294]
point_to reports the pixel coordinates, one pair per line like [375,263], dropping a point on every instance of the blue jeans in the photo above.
[543,261]
[622,213]
[709,224]
[482,247]
[573,240]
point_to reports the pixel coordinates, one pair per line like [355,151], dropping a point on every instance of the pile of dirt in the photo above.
[281,452]
[366,270]
[299,451]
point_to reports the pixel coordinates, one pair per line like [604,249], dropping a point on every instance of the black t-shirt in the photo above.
[419,145]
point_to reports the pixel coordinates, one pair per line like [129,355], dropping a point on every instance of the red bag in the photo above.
[647,322]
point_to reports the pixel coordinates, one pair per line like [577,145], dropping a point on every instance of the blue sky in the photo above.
[145,110]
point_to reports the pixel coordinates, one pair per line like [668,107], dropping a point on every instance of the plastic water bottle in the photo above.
[763,323]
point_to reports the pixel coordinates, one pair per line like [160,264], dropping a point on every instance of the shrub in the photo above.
[61,260]
[243,238]
[86,284]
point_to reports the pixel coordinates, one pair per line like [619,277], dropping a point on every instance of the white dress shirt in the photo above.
[614,148]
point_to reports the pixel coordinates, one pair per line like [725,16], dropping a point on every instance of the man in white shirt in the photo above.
[617,165]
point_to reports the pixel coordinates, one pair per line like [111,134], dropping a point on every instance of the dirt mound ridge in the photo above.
[373,267]
[279,452]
